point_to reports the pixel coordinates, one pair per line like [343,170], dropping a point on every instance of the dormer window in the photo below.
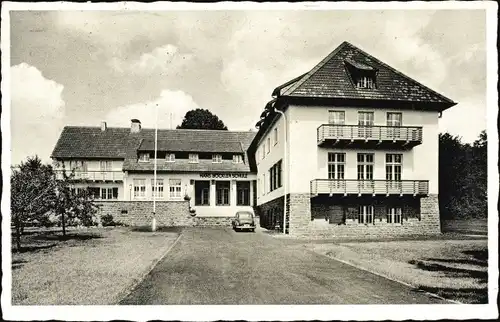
[216,158]
[362,74]
[170,157]
[193,158]
[144,157]
[365,82]
[237,158]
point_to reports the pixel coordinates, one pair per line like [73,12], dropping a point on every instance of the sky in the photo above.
[85,67]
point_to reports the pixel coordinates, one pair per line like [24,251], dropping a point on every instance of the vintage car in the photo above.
[244,220]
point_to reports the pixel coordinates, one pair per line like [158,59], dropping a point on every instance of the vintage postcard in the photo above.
[249,161]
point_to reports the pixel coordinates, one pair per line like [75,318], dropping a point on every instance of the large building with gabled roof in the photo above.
[353,145]
[203,173]
[349,148]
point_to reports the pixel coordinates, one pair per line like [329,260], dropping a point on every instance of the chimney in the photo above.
[135,126]
[103,126]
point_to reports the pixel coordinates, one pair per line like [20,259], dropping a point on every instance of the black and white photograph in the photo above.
[249,161]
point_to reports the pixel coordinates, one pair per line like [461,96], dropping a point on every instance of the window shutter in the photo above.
[115,193]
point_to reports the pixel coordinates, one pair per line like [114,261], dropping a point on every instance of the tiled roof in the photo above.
[183,165]
[193,146]
[120,143]
[330,79]
[91,142]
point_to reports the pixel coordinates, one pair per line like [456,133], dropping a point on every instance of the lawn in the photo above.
[90,266]
[453,269]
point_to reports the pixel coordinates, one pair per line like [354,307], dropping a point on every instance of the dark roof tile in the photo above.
[330,79]
[120,143]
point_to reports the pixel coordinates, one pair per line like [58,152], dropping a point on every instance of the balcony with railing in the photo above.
[93,176]
[383,137]
[369,187]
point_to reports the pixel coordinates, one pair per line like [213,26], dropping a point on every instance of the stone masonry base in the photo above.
[168,214]
[302,222]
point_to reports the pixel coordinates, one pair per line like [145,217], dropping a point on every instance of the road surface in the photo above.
[219,266]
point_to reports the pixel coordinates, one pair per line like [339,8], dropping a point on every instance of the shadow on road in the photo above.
[478,258]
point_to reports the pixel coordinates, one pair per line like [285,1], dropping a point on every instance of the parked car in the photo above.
[244,220]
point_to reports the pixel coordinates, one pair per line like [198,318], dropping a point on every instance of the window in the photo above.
[264,187]
[336,165]
[237,158]
[159,188]
[139,188]
[394,122]
[102,193]
[222,193]
[394,215]
[275,136]
[365,82]
[268,145]
[175,188]
[365,171]
[106,165]
[365,123]
[78,165]
[243,193]
[336,118]
[365,214]
[275,176]
[170,157]
[393,167]
[202,193]
[144,157]
[193,158]
[216,158]
[263,149]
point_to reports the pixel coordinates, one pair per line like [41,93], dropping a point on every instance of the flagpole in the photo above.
[155,184]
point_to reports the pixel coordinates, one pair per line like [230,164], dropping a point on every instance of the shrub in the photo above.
[107,220]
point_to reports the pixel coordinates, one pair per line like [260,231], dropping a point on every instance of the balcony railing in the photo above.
[91,175]
[373,187]
[405,136]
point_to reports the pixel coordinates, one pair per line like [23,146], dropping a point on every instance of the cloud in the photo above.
[37,111]
[466,119]
[172,106]
[164,59]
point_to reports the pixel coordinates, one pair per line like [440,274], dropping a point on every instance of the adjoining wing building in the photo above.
[352,144]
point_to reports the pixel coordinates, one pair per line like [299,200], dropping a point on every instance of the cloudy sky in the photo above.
[81,68]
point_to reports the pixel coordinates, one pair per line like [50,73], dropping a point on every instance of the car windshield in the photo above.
[244,215]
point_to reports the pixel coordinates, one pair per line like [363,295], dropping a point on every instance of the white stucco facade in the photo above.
[308,161]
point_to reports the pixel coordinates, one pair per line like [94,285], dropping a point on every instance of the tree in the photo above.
[70,204]
[201,119]
[32,193]
[462,177]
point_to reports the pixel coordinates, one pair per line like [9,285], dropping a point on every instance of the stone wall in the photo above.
[310,219]
[140,213]
[168,214]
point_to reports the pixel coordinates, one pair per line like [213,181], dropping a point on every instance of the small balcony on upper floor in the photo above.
[369,136]
[91,176]
[369,187]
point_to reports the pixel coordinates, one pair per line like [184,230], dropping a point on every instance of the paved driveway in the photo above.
[220,266]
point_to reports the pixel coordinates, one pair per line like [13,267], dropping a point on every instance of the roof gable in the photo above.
[331,79]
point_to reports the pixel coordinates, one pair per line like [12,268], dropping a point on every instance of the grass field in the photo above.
[453,269]
[89,266]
